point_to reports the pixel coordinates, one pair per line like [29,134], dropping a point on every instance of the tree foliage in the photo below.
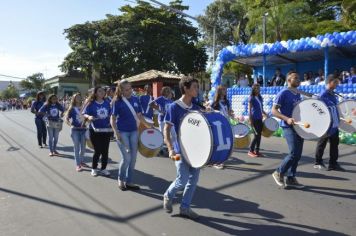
[287,19]
[10,92]
[33,82]
[141,38]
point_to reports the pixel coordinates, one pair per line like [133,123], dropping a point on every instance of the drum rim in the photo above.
[180,133]
[248,131]
[340,115]
[139,139]
[307,99]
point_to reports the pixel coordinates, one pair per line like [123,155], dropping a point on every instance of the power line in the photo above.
[10,76]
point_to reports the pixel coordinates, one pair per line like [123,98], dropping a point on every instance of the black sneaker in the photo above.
[336,167]
[278,178]
[292,182]
[132,187]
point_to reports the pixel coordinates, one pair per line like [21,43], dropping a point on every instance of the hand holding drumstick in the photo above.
[291,121]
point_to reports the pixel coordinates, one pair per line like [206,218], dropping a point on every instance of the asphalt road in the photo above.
[42,195]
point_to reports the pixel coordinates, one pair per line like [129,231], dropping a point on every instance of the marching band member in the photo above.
[256,112]
[187,176]
[145,101]
[124,119]
[51,110]
[98,110]
[161,103]
[329,98]
[282,109]
[75,119]
[40,124]
[221,104]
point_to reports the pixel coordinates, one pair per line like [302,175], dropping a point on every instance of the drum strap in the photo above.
[148,105]
[132,110]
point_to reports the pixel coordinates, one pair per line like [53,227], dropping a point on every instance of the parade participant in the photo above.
[282,109]
[161,103]
[256,112]
[75,120]
[221,104]
[124,119]
[51,110]
[97,111]
[329,98]
[145,101]
[187,176]
[110,94]
[40,124]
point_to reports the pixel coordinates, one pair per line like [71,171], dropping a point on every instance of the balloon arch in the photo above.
[320,42]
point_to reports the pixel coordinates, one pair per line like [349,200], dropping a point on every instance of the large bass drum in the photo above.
[205,138]
[347,112]
[316,114]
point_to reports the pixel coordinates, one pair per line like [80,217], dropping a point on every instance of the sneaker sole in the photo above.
[277,182]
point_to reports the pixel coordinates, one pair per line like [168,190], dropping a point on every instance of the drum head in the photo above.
[148,120]
[151,138]
[271,124]
[316,114]
[240,130]
[195,139]
[347,111]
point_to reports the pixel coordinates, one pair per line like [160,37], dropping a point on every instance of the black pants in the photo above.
[334,149]
[41,131]
[101,141]
[255,144]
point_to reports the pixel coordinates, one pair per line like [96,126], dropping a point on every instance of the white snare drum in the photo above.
[347,112]
[150,142]
[315,113]
[241,133]
[54,124]
[270,125]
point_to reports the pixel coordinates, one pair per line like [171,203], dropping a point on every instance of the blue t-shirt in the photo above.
[125,120]
[75,117]
[350,80]
[256,107]
[144,102]
[163,104]
[286,100]
[36,106]
[101,112]
[174,114]
[223,106]
[52,111]
[331,102]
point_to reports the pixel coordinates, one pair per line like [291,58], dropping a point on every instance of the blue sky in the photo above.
[32,39]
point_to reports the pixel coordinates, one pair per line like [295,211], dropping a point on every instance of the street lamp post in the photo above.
[264,42]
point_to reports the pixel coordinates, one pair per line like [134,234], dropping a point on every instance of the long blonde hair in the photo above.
[118,90]
[73,104]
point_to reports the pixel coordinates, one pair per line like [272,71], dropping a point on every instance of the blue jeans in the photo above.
[41,131]
[128,161]
[187,178]
[53,138]
[78,137]
[295,146]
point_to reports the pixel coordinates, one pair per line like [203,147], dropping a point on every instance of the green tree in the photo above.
[33,82]
[140,39]
[229,18]
[10,92]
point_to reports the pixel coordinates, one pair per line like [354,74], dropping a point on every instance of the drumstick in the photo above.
[305,124]
[347,120]
[176,157]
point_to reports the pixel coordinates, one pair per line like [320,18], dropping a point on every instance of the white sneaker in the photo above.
[94,172]
[105,172]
